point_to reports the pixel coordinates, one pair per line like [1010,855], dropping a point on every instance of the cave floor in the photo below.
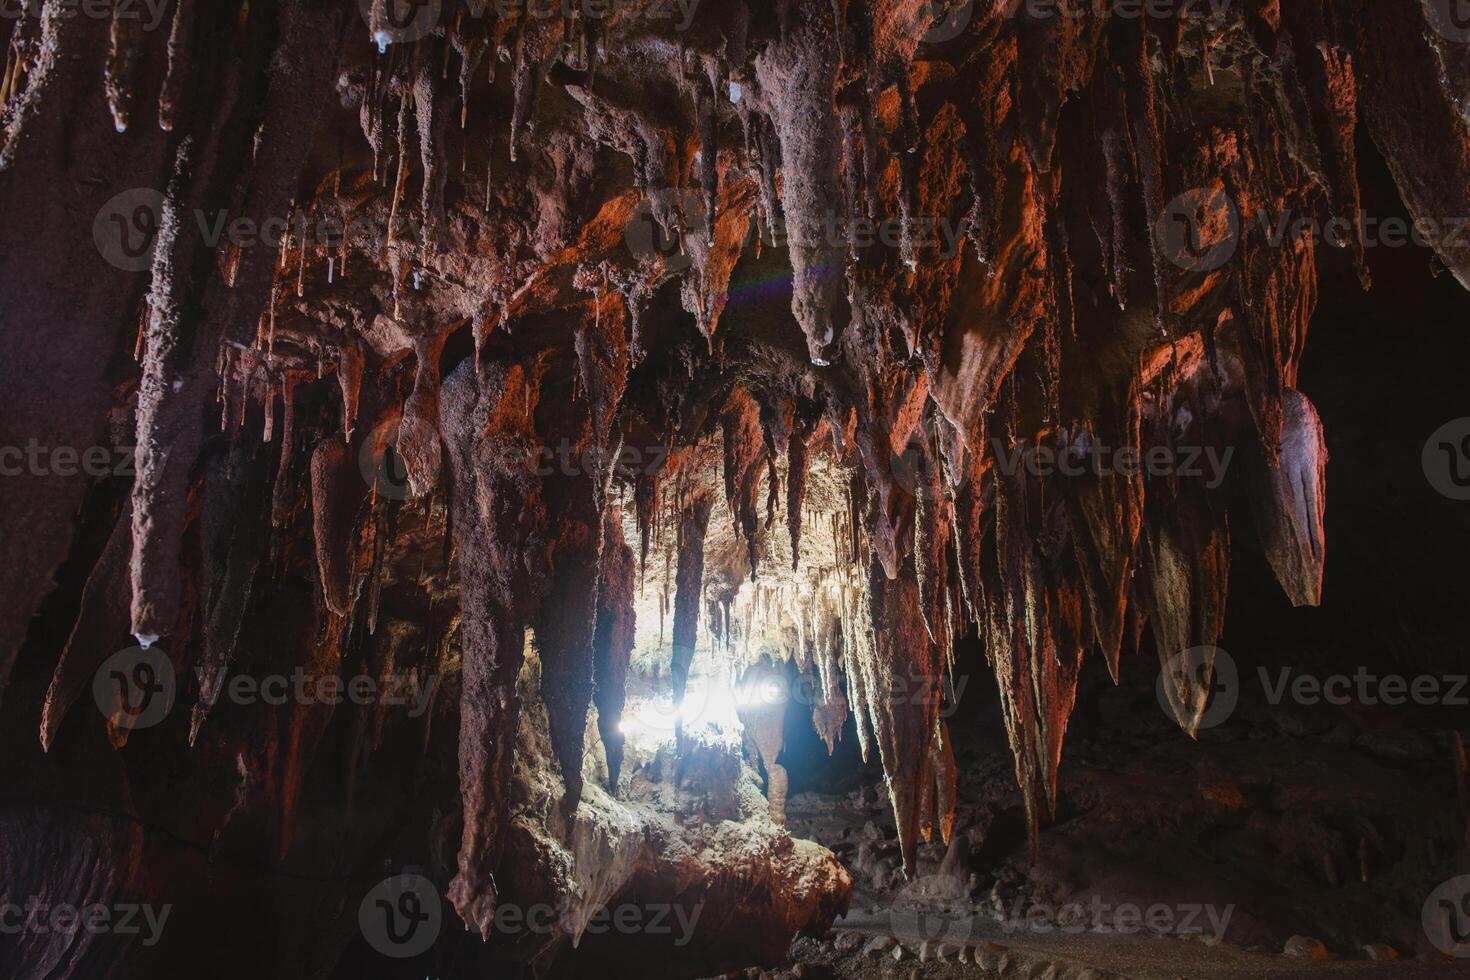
[1105,956]
[1321,853]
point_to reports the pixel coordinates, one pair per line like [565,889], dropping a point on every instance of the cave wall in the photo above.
[826,271]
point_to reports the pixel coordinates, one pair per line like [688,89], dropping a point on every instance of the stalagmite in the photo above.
[764,721]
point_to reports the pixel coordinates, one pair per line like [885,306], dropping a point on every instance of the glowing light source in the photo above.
[708,711]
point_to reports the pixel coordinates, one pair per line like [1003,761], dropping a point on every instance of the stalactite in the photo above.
[797,461]
[693,521]
[154,581]
[334,481]
[175,385]
[900,658]
[798,78]
[613,641]
[432,115]
[709,150]
[743,443]
[122,64]
[1186,570]
[101,627]
[234,488]
[565,627]
[494,600]
[418,430]
[349,380]
[1033,636]
[283,496]
[1288,501]
[1143,113]
[533,60]
[180,39]
[1040,137]
[1106,515]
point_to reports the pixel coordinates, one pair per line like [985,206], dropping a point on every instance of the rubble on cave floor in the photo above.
[1289,840]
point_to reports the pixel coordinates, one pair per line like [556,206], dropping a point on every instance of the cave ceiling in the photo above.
[672,343]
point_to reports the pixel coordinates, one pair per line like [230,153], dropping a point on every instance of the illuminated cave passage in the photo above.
[791,488]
